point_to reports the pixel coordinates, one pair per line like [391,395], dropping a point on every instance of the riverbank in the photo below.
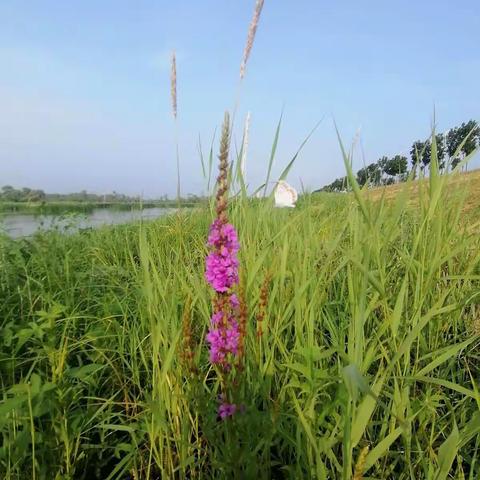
[62,207]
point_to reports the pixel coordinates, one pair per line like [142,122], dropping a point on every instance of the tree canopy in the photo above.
[451,148]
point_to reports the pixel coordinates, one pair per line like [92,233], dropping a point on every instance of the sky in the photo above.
[85,86]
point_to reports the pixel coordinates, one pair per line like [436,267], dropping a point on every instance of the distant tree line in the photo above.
[450,151]
[11,194]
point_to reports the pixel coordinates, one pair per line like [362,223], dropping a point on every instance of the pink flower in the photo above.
[222,264]
[223,340]
[223,235]
[222,271]
[234,302]
[226,410]
[217,318]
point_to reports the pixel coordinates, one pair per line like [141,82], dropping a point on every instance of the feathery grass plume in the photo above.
[173,85]
[173,94]
[251,36]
[243,160]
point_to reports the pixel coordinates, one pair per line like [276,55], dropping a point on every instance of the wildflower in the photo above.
[226,410]
[234,302]
[223,342]
[222,271]
[227,326]
[222,262]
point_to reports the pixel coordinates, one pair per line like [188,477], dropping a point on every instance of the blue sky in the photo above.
[84,85]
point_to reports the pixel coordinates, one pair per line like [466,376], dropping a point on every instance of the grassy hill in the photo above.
[467,183]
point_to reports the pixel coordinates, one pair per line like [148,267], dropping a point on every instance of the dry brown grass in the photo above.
[469,182]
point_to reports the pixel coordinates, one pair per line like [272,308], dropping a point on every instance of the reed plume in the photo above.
[173,85]
[173,94]
[251,36]
[243,160]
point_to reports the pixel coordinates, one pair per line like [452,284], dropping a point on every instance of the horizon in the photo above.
[85,88]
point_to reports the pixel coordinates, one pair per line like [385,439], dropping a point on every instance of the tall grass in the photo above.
[367,314]
[361,345]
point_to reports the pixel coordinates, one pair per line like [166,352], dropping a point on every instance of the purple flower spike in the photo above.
[222,263]
[226,410]
[234,302]
[223,341]
[226,335]
[222,271]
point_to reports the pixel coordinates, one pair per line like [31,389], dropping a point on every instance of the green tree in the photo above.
[420,154]
[362,176]
[396,166]
[382,163]
[371,175]
[374,172]
[441,150]
[457,135]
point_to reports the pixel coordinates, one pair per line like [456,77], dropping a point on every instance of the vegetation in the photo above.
[452,147]
[28,200]
[11,194]
[361,349]
[58,208]
[359,317]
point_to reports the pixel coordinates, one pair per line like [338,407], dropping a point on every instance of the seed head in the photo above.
[251,36]
[173,85]
[222,179]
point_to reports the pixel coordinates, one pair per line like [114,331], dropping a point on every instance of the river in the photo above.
[24,225]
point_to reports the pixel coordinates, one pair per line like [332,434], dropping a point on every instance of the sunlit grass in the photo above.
[369,338]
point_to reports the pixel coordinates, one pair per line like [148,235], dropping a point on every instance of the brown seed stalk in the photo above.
[222,179]
[188,345]
[242,328]
[263,303]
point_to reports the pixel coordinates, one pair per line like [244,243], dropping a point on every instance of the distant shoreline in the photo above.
[58,207]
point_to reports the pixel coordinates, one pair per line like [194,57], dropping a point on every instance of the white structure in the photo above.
[285,195]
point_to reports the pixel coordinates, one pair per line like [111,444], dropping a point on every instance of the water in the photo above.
[23,225]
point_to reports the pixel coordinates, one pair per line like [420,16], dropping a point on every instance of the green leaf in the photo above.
[85,371]
[446,455]
[382,448]
[272,153]
[471,429]
[365,411]
[354,380]
[447,353]
[287,169]
[8,405]
[398,309]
